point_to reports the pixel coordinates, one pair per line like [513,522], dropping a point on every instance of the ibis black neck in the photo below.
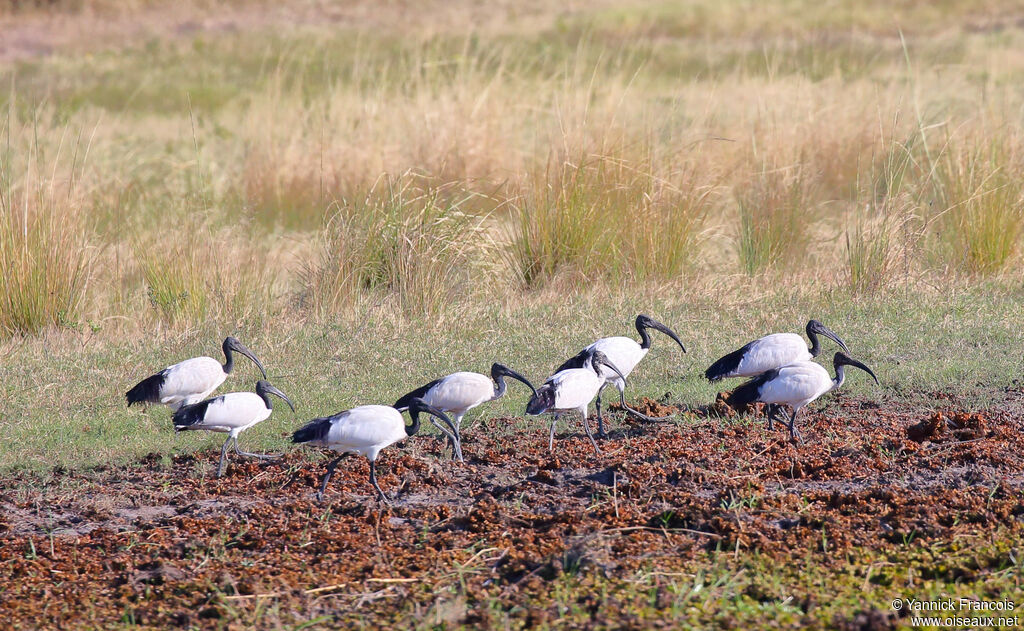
[499,390]
[229,364]
[840,375]
[414,414]
[645,337]
[266,397]
[815,348]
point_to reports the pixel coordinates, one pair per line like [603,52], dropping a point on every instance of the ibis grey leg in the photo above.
[223,455]
[551,438]
[586,426]
[259,456]
[600,419]
[794,433]
[373,481]
[327,477]
[640,415]
[455,441]
[772,410]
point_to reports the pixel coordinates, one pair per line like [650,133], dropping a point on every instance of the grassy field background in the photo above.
[350,187]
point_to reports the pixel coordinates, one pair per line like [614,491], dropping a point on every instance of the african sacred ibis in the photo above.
[460,392]
[797,385]
[625,353]
[189,381]
[771,351]
[231,413]
[365,430]
[573,389]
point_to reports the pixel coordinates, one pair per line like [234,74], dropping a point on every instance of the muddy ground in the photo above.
[490,543]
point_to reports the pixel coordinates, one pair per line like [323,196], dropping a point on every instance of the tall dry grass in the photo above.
[240,177]
[45,250]
[404,242]
[607,217]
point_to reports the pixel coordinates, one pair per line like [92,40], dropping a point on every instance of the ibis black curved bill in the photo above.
[502,369]
[270,389]
[418,405]
[599,358]
[658,326]
[234,345]
[817,327]
[841,359]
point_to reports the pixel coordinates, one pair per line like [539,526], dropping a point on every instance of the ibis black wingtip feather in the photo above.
[418,393]
[147,390]
[750,391]
[313,431]
[727,365]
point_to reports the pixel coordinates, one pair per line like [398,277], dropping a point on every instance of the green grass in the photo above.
[63,402]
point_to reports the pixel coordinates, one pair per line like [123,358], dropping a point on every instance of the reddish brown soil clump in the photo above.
[164,544]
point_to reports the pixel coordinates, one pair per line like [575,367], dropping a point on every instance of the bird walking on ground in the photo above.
[366,430]
[231,413]
[625,353]
[190,381]
[573,389]
[460,392]
[771,351]
[797,385]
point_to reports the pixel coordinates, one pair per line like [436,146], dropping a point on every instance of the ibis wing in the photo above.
[196,376]
[367,426]
[574,388]
[147,390]
[224,413]
[460,391]
[773,351]
[624,352]
[728,365]
[797,384]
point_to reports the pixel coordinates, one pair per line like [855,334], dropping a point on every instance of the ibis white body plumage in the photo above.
[231,414]
[572,389]
[190,381]
[796,385]
[460,392]
[366,430]
[771,351]
[625,353]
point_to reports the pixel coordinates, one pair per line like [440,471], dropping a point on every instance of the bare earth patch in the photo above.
[166,544]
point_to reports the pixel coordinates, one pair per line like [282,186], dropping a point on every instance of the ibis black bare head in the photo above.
[814,329]
[501,370]
[231,343]
[263,388]
[842,359]
[598,359]
[644,322]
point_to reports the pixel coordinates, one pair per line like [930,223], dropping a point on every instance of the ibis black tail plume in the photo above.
[147,390]
[191,416]
[750,391]
[313,431]
[403,403]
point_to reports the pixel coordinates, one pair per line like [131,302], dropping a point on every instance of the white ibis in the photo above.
[573,389]
[625,353]
[460,392]
[771,351]
[797,385]
[231,413]
[189,381]
[366,430]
